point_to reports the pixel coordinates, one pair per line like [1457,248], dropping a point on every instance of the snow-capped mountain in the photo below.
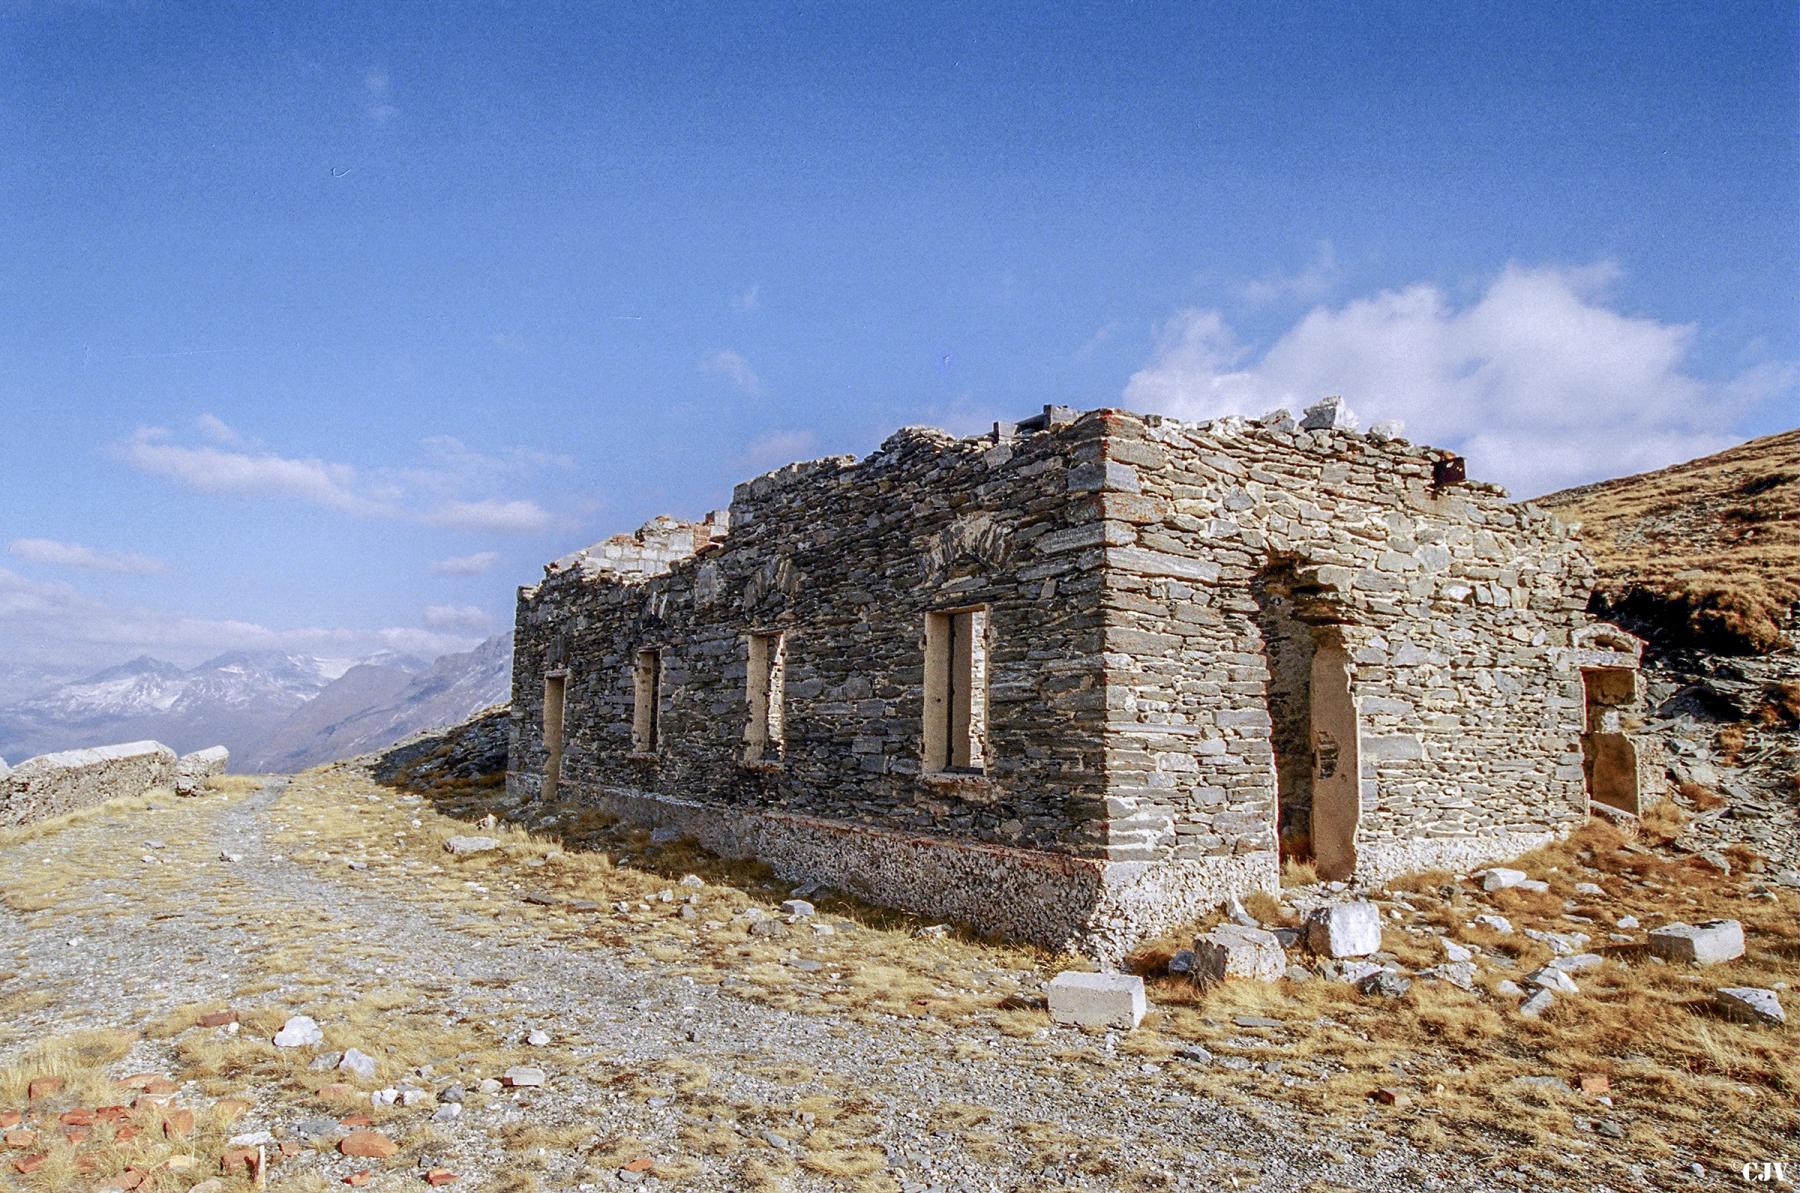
[373,706]
[272,710]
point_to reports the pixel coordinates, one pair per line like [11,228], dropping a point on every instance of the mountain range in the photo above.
[274,711]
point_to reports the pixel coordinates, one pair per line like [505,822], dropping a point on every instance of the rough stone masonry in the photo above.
[1082,679]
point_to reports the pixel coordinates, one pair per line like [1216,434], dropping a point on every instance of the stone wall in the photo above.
[52,784]
[1246,543]
[1190,633]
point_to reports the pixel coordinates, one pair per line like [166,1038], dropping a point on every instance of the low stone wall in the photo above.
[192,770]
[1099,909]
[52,784]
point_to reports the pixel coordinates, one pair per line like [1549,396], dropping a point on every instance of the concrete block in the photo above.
[1097,999]
[1234,951]
[1344,930]
[1699,944]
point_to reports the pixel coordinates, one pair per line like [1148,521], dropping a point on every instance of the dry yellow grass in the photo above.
[1712,545]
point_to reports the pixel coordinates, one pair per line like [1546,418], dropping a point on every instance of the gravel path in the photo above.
[122,947]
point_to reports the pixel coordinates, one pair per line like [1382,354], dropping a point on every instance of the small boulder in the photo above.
[358,1063]
[1499,878]
[1344,930]
[1232,951]
[1498,923]
[1537,1004]
[1097,999]
[461,845]
[1750,1004]
[369,1145]
[1549,978]
[1699,944]
[300,1031]
[1385,983]
[522,1076]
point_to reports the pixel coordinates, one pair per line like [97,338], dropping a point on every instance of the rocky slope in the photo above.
[1702,555]
[371,707]
[1702,560]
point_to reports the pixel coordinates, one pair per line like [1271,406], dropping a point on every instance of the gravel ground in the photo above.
[143,913]
[112,959]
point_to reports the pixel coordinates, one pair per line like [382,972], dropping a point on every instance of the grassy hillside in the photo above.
[1705,553]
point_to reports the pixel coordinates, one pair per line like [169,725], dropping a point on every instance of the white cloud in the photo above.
[50,624]
[466,565]
[1538,381]
[379,89]
[1098,340]
[735,369]
[444,493]
[1309,285]
[74,555]
[775,449]
[457,617]
[217,430]
[749,302]
[492,514]
[215,470]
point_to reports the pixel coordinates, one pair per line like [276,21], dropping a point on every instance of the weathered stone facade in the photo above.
[52,784]
[1080,680]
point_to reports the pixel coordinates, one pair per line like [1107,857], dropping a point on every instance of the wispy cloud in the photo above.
[467,618]
[775,449]
[735,369]
[453,488]
[52,624]
[218,430]
[493,514]
[74,555]
[216,470]
[378,92]
[466,565]
[1098,340]
[1311,284]
[748,302]
[1539,381]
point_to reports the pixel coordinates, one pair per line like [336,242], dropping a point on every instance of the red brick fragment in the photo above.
[641,1164]
[359,1178]
[1594,1083]
[43,1087]
[218,1018]
[27,1165]
[245,1158]
[369,1145]
[80,1116]
[355,1120]
[439,1176]
[178,1124]
[111,1114]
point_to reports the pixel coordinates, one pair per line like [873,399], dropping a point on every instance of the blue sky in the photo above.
[326,326]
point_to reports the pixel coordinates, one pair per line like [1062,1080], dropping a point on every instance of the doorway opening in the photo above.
[1313,727]
[554,688]
[1608,755]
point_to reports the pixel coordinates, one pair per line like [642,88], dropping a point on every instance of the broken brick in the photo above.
[178,1124]
[43,1087]
[80,1116]
[246,1158]
[439,1176]
[218,1018]
[641,1164]
[369,1145]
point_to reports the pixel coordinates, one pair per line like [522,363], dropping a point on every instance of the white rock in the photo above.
[1627,921]
[1460,974]
[538,1039]
[1500,878]
[1590,888]
[1552,979]
[1536,1005]
[1498,923]
[1750,1004]
[1532,884]
[447,1113]
[417,1097]
[471,844]
[300,1031]
[1355,972]
[796,907]
[1701,944]
[1577,963]
[1233,951]
[1234,911]
[358,1062]
[524,1075]
[1456,952]
[1326,414]
[1344,930]
[1097,999]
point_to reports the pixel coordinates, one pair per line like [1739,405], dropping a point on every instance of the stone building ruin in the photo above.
[1078,681]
